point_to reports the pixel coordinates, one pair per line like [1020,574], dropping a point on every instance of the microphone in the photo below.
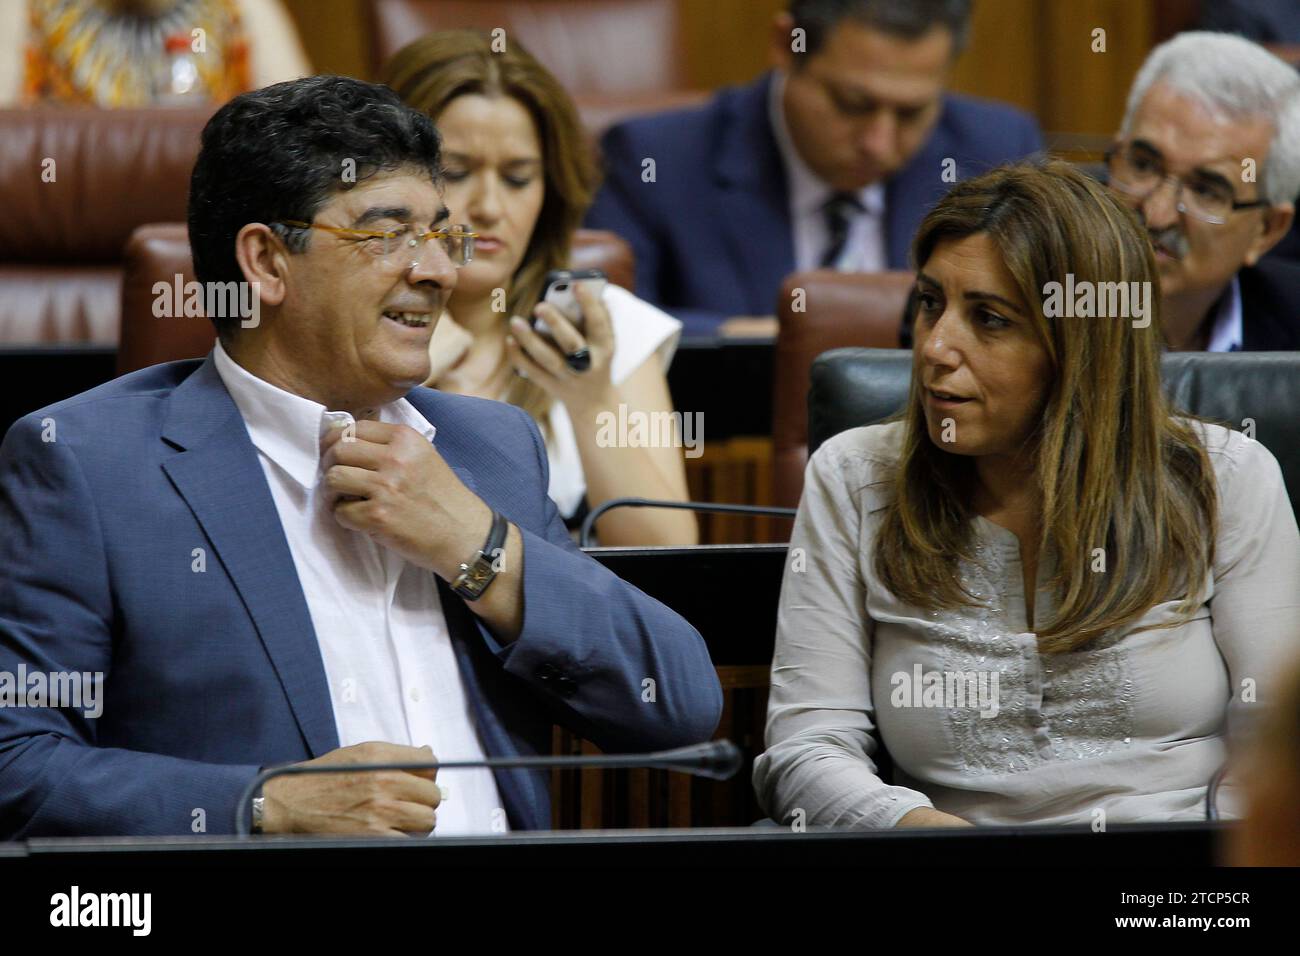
[715,759]
[589,522]
[1212,793]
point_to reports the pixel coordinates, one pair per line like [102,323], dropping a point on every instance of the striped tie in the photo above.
[839,211]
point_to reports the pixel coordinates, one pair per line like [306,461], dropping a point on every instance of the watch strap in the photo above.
[475,576]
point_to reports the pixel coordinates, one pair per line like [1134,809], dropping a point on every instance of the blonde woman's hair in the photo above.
[1115,467]
[434,70]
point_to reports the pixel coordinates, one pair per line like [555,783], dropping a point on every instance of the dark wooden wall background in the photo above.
[1036,54]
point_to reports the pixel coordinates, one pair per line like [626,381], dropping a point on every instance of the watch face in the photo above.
[479,574]
[474,578]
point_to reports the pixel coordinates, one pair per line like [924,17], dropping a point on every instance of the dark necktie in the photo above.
[839,211]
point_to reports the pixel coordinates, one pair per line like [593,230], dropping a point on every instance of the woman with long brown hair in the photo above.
[519,171]
[1049,592]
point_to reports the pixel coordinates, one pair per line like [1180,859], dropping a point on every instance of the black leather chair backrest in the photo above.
[852,387]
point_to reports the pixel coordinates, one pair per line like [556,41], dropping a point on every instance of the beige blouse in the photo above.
[978,723]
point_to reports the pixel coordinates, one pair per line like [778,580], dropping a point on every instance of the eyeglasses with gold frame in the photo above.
[457,240]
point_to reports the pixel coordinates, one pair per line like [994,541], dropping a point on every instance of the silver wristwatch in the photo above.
[476,575]
[259,804]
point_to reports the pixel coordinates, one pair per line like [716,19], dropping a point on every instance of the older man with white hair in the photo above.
[1209,155]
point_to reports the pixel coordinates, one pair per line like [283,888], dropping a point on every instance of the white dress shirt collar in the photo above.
[288,428]
[1226,333]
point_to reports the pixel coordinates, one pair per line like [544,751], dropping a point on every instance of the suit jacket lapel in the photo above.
[914,189]
[218,474]
[908,197]
[494,708]
[754,207]
[1270,316]
[493,694]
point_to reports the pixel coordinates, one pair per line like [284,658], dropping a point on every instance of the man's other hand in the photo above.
[380,803]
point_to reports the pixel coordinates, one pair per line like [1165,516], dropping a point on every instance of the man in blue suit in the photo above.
[830,161]
[289,553]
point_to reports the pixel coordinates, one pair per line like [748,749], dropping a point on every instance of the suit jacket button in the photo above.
[566,686]
[546,672]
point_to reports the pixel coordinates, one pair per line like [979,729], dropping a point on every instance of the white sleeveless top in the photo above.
[640,330]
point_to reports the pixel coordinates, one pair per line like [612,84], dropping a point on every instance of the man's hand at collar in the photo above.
[386,481]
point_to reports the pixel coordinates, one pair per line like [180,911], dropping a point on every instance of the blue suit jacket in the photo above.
[712,235]
[211,674]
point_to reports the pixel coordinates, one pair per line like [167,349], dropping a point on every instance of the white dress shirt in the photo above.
[1226,333]
[864,248]
[1133,725]
[640,331]
[378,619]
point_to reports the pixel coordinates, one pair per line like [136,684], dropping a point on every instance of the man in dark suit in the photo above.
[831,160]
[289,553]
[1264,21]
[1209,157]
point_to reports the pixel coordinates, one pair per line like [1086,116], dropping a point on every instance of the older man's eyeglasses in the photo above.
[395,247]
[1138,172]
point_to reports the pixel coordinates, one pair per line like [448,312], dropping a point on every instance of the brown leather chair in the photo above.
[160,252]
[598,249]
[61,240]
[592,46]
[617,58]
[838,309]
[598,112]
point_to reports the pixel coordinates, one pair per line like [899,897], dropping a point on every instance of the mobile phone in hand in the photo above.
[557,290]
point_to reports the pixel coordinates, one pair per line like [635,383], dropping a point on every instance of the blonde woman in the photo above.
[518,170]
[1043,587]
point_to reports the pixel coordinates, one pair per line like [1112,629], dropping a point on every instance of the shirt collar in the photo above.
[288,428]
[1226,332]
[808,193]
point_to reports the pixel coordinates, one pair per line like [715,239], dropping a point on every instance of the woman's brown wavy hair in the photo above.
[1115,467]
[434,70]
